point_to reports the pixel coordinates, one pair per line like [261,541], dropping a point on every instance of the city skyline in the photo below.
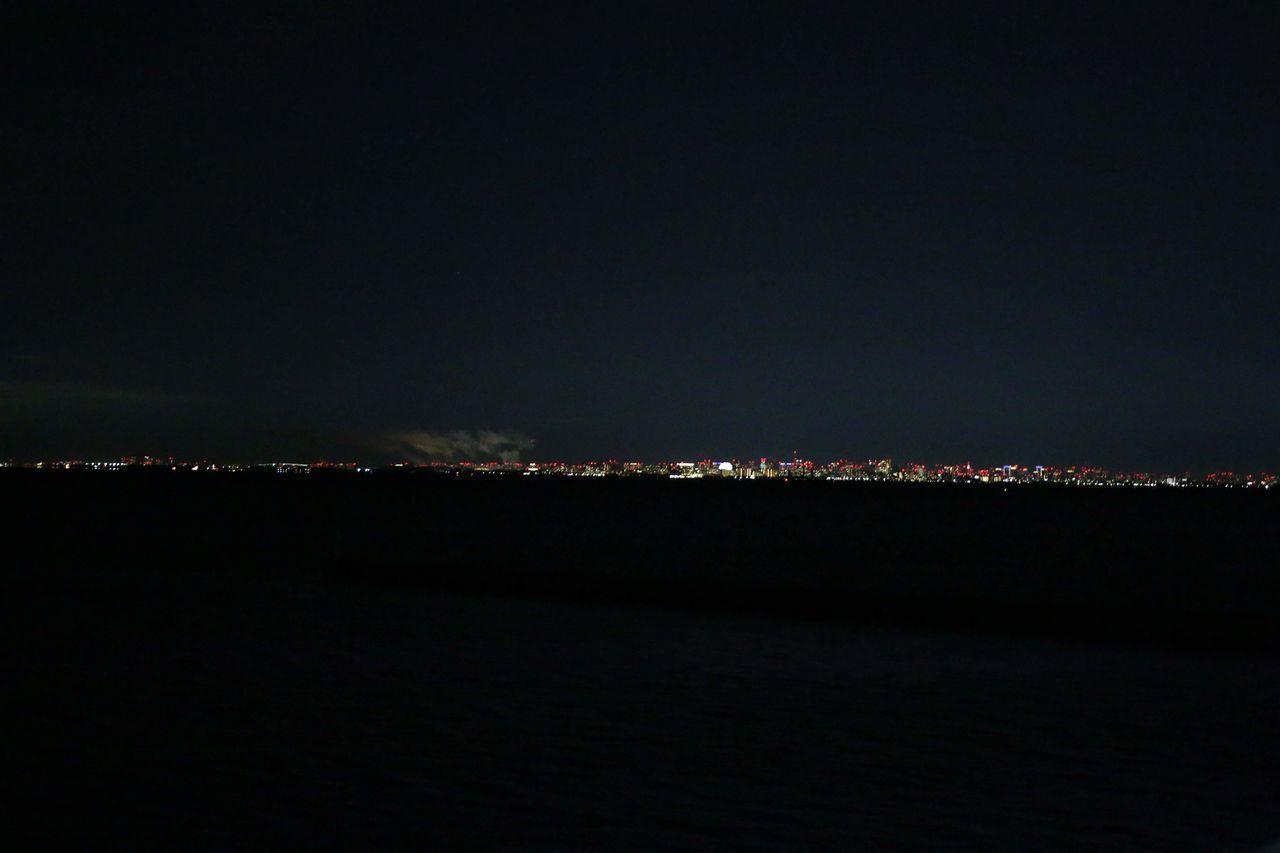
[764,467]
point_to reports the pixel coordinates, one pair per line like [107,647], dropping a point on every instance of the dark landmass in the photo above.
[1192,568]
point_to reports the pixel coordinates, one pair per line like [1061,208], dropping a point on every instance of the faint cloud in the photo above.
[420,446]
[42,398]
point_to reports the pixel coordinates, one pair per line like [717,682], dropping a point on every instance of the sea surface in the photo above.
[226,702]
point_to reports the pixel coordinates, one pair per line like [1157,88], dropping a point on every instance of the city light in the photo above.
[882,470]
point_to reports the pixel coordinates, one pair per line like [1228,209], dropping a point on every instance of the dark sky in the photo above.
[1047,237]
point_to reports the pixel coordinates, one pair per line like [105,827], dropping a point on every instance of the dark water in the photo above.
[211,702]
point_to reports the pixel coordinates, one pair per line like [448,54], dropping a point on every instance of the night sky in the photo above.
[1051,237]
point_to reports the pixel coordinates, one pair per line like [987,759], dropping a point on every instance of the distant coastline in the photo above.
[872,470]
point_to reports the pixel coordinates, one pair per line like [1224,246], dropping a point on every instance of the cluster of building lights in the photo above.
[872,470]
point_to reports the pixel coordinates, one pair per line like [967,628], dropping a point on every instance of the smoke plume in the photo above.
[481,445]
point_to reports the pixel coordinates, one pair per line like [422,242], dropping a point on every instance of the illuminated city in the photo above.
[756,468]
